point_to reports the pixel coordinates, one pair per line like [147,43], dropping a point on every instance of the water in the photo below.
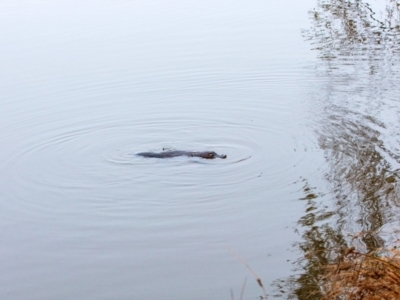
[86,85]
[356,123]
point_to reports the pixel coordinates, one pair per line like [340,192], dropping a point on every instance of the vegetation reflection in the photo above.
[358,130]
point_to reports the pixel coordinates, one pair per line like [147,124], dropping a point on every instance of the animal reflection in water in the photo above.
[176,153]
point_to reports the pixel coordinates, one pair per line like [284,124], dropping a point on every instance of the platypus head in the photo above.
[212,155]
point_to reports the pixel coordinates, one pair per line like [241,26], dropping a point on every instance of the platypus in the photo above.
[175,153]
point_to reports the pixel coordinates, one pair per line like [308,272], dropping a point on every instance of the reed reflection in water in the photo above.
[357,125]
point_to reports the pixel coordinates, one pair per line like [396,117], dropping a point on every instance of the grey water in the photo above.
[85,85]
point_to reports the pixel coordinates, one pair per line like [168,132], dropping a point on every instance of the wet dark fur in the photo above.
[175,153]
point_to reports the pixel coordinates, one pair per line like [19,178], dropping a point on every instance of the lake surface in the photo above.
[308,119]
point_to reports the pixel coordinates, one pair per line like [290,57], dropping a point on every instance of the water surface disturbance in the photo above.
[86,86]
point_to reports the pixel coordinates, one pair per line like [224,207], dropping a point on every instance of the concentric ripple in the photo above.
[95,162]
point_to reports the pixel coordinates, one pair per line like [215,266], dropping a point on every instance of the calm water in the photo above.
[86,85]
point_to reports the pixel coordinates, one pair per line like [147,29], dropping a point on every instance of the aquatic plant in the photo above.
[361,276]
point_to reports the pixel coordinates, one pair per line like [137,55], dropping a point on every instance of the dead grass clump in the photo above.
[358,276]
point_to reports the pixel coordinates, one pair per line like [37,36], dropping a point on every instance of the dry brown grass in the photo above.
[358,276]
